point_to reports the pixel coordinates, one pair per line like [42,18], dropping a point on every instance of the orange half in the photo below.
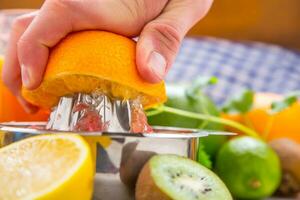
[90,61]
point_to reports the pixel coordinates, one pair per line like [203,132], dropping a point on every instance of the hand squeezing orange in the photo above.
[83,62]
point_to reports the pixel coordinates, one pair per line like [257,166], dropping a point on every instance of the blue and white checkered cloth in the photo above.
[257,66]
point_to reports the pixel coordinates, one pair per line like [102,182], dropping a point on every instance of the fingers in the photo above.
[160,39]
[47,28]
[57,18]
[11,69]
[34,34]
[156,49]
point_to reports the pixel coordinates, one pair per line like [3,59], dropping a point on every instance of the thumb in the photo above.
[160,39]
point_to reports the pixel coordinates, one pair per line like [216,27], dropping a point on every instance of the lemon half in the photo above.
[47,167]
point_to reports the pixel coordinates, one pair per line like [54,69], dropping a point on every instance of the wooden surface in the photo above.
[5,4]
[274,21]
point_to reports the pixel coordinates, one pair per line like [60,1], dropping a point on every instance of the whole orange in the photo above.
[284,124]
[10,108]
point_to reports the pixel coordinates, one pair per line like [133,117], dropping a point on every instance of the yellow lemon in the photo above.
[47,167]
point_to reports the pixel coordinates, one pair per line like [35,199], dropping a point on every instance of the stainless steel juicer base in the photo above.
[125,151]
[119,162]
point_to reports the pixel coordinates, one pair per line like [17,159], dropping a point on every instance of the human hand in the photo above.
[160,25]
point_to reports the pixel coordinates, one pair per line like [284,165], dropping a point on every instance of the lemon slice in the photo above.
[47,167]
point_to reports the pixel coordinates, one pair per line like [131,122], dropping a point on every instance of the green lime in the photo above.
[249,168]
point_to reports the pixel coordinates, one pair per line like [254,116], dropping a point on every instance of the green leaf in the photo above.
[177,98]
[289,100]
[196,96]
[240,103]
[210,118]
[196,89]
[203,158]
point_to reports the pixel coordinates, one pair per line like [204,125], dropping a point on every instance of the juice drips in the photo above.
[91,120]
[139,122]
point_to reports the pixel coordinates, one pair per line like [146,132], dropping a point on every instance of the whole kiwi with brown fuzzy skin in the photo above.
[289,154]
[172,177]
[132,162]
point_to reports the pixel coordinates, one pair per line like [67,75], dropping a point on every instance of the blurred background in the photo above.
[272,21]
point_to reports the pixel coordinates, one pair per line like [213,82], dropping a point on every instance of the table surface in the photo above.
[114,190]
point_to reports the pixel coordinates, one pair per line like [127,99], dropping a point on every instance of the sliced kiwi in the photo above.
[166,177]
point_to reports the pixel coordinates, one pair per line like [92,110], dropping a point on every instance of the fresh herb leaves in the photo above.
[241,103]
[203,158]
[286,102]
[195,89]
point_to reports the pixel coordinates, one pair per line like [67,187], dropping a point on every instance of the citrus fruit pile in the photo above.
[47,167]
[276,119]
[248,165]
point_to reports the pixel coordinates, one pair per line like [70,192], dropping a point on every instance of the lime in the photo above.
[249,168]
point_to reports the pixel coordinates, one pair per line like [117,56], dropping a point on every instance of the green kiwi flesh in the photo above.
[173,177]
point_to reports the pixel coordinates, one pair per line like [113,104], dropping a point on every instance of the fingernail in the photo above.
[25,76]
[158,64]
